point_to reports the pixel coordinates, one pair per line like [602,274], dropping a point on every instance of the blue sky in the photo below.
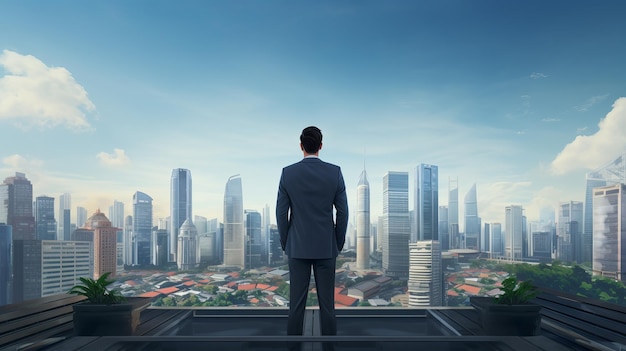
[105,98]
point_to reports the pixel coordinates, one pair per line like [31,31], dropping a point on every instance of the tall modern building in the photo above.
[610,174]
[363,222]
[569,232]
[252,224]
[104,244]
[426,218]
[453,213]
[497,242]
[609,231]
[16,206]
[49,267]
[472,221]
[514,225]
[81,216]
[234,241]
[44,218]
[116,214]
[444,228]
[159,252]
[265,235]
[180,206]
[142,228]
[188,256]
[396,223]
[64,223]
[6,264]
[425,285]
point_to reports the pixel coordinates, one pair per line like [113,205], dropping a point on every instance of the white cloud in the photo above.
[593,151]
[538,75]
[590,102]
[116,159]
[547,120]
[33,94]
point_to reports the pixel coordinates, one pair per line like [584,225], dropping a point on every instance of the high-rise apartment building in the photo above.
[453,213]
[569,232]
[44,218]
[252,225]
[64,224]
[6,264]
[426,217]
[16,207]
[514,225]
[180,206]
[142,228]
[425,285]
[472,221]
[609,231]
[234,241]
[104,244]
[363,222]
[610,174]
[188,256]
[396,223]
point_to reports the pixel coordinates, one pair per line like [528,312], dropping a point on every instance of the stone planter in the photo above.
[512,320]
[116,319]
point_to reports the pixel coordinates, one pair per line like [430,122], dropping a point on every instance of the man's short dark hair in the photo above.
[311,139]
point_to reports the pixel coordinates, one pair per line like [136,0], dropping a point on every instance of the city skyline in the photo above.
[520,100]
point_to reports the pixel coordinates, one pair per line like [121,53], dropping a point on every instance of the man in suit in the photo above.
[309,235]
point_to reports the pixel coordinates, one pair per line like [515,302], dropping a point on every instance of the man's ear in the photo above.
[301,147]
[320,146]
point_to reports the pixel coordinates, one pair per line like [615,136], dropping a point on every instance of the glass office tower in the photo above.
[609,231]
[426,214]
[396,224]
[142,228]
[44,218]
[363,222]
[180,206]
[472,221]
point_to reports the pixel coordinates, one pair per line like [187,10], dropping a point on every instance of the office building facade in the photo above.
[44,218]
[453,213]
[16,207]
[188,255]
[570,232]
[472,221]
[514,225]
[6,264]
[426,210]
[104,244]
[396,224]
[64,223]
[425,285]
[252,224]
[609,231]
[142,228]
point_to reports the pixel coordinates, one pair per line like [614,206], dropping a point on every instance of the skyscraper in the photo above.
[453,212]
[514,231]
[444,228]
[180,205]
[265,235]
[104,244]
[472,221]
[16,206]
[363,222]
[609,231]
[142,228]
[569,233]
[234,241]
[64,226]
[81,216]
[497,244]
[116,214]
[253,238]
[426,219]
[610,174]
[44,218]
[6,264]
[396,223]
[188,256]
[425,285]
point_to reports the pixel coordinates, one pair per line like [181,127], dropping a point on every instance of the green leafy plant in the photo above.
[97,292]
[514,292]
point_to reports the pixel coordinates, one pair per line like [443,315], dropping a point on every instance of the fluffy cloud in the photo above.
[593,151]
[33,94]
[537,75]
[116,159]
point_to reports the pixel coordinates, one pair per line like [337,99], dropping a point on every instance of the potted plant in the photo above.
[511,312]
[106,311]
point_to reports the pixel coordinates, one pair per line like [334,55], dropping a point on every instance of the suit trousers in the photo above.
[299,277]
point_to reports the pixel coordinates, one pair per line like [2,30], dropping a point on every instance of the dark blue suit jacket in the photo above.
[307,193]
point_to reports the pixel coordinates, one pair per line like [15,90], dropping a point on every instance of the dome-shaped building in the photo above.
[104,244]
[188,255]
